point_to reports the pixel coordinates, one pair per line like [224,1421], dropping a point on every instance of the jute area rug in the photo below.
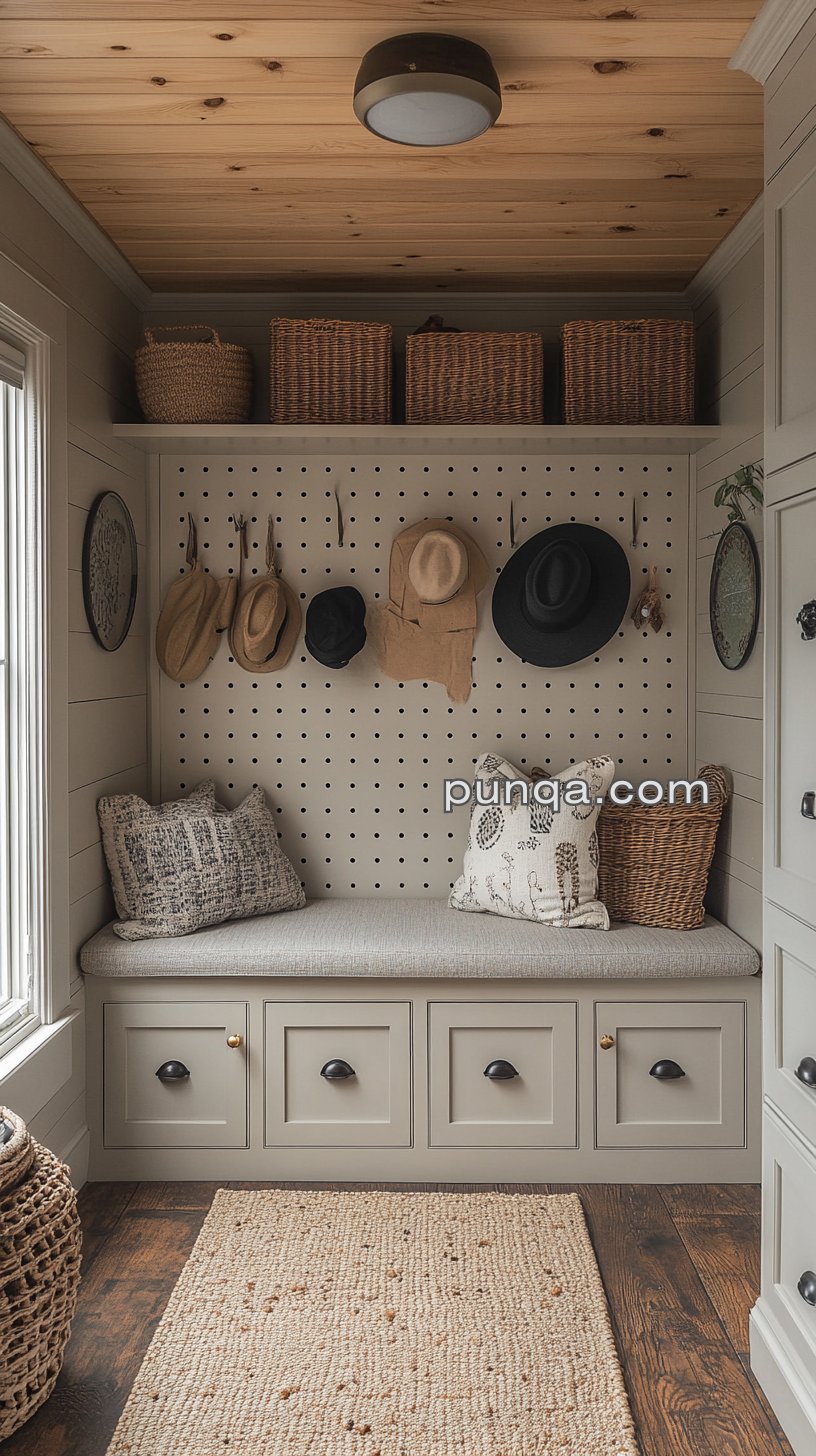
[383,1324]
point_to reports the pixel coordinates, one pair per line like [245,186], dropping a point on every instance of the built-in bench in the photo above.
[400,1039]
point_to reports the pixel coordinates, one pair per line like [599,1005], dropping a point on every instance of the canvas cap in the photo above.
[335,625]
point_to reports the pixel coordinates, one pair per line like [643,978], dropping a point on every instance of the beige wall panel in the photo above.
[104,737]
[84,826]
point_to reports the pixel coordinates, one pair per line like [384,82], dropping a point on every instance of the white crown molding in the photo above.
[777,24]
[31,172]
[732,248]
[409,303]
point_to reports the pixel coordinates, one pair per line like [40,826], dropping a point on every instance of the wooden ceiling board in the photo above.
[216,143]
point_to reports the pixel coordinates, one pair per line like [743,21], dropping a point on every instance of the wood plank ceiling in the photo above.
[217,146]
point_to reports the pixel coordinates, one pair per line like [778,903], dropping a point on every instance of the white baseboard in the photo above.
[76,1155]
[789,1391]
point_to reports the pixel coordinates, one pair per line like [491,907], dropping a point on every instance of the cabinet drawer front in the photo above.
[338,1074]
[674,1076]
[791,666]
[205,1108]
[537,1108]
[790,1018]
[789,1237]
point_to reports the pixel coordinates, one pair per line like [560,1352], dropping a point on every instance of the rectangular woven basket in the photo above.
[474,378]
[655,858]
[328,371]
[628,372]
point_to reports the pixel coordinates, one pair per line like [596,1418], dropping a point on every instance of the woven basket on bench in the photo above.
[628,372]
[39,1271]
[655,858]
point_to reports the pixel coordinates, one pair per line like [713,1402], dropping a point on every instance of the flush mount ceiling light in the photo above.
[427,90]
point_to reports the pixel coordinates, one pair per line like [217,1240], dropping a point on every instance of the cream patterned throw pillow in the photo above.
[527,860]
[179,866]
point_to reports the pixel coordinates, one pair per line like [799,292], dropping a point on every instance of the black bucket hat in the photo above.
[335,625]
[562,595]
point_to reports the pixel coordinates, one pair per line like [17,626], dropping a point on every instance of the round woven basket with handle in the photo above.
[193,381]
[40,1245]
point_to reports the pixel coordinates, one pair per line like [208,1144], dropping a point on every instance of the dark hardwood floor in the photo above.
[680,1265]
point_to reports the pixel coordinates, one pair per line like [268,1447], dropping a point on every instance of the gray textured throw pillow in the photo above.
[180,866]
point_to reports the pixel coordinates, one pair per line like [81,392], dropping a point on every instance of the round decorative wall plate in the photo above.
[733,602]
[109,570]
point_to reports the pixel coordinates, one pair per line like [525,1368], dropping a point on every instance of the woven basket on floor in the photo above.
[329,372]
[39,1271]
[193,382]
[474,378]
[628,372]
[655,859]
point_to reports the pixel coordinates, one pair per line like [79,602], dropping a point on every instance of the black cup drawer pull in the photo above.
[173,1072]
[806,1071]
[337,1070]
[807,808]
[666,1071]
[500,1071]
[807,1286]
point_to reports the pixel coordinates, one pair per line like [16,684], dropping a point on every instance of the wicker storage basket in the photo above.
[474,378]
[328,372]
[629,372]
[193,382]
[39,1271]
[655,859]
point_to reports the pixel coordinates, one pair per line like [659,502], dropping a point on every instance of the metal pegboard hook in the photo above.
[271,549]
[340,526]
[192,540]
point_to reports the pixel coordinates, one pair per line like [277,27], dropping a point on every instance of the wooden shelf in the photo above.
[415,439]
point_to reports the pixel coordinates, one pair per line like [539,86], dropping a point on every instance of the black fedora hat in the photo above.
[562,595]
[335,625]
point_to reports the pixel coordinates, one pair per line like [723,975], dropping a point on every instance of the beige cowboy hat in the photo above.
[427,629]
[196,609]
[266,623]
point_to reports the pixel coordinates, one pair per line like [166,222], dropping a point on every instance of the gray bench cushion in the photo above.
[420,939]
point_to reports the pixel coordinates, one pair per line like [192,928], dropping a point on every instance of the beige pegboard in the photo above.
[353,762]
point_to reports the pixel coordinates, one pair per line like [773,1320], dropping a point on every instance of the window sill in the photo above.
[35,1069]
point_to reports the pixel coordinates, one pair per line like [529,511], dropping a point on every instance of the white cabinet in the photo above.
[337,1074]
[790,864]
[790,311]
[790,1020]
[175,1074]
[789,1244]
[503,1074]
[670,1075]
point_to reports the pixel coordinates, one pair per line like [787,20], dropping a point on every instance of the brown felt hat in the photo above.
[427,628]
[267,619]
[196,609]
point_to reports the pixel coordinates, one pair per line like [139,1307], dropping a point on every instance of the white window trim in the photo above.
[40,337]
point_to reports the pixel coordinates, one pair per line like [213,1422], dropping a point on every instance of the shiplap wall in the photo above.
[107,734]
[729,704]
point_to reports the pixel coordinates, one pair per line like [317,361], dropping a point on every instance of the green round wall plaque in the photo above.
[733,603]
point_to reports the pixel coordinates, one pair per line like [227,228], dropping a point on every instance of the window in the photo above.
[22,668]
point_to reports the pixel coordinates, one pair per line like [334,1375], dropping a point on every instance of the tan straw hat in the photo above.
[196,609]
[427,629]
[267,619]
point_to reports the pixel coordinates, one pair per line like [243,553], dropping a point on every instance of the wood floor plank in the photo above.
[679,1264]
[698,1200]
[689,1392]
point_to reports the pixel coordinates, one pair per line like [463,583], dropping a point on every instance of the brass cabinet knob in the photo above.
[234,1040]
[607,1041]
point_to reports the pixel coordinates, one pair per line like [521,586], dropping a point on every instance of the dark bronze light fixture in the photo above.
[427,90]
